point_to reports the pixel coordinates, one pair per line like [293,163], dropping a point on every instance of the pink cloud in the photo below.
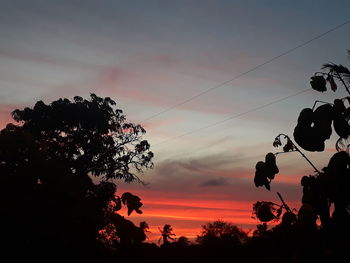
[38,57]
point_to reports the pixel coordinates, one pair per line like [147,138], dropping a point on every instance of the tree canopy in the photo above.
[88,135]
[221,234]
[48,160]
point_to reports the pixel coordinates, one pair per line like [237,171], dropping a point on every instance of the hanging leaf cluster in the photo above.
[266,171]
[288,147]
[339,73]
[328,188]
[333,182]
[319,82]
[314,127]
[266,211]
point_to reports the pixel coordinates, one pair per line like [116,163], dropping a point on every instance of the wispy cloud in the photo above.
[48,59]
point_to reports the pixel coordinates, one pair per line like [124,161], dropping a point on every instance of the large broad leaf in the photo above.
[132,202]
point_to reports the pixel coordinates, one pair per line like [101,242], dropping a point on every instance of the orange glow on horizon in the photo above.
[187,216]
[187,212]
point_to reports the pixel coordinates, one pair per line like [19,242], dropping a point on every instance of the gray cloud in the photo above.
[212,177]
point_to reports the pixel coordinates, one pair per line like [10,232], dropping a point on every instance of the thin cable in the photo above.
[235,116]
[248,71]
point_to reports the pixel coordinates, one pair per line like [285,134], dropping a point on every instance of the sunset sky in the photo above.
[165,63]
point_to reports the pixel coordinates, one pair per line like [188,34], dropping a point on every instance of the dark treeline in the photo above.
[59,200]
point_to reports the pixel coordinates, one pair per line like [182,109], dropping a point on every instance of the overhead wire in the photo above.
[248,71]
[235,116]
[238,76]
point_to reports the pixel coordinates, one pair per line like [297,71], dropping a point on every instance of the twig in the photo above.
[277,153]
[313,107]
[298,150]
[284,203]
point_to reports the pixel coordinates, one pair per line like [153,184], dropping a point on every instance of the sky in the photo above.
[168,65]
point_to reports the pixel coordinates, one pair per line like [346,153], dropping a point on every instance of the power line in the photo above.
[248,71]
[235,116]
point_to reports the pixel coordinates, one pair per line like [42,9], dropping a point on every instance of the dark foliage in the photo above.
[326,194]
[88,136]
[49,202]
[266,171]
[314,127]
[221,234]
[58,201]
[167,234]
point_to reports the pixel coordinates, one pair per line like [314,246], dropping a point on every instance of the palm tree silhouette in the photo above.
[167,234]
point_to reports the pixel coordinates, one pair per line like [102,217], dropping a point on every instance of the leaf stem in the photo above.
[298,150]
[284,203]
[316,101]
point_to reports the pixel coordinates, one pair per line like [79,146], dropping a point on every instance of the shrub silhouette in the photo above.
[221,234]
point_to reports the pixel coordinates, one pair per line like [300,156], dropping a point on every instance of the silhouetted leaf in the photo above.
[132,202]
[277,142]
[318,83]
[263,211]
[288,146]
[306,133]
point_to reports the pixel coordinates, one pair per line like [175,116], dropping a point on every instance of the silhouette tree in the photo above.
[221,234]
[261,229]
[89,136]
[167,234]
[48,197]
[183,241]
[144,227]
